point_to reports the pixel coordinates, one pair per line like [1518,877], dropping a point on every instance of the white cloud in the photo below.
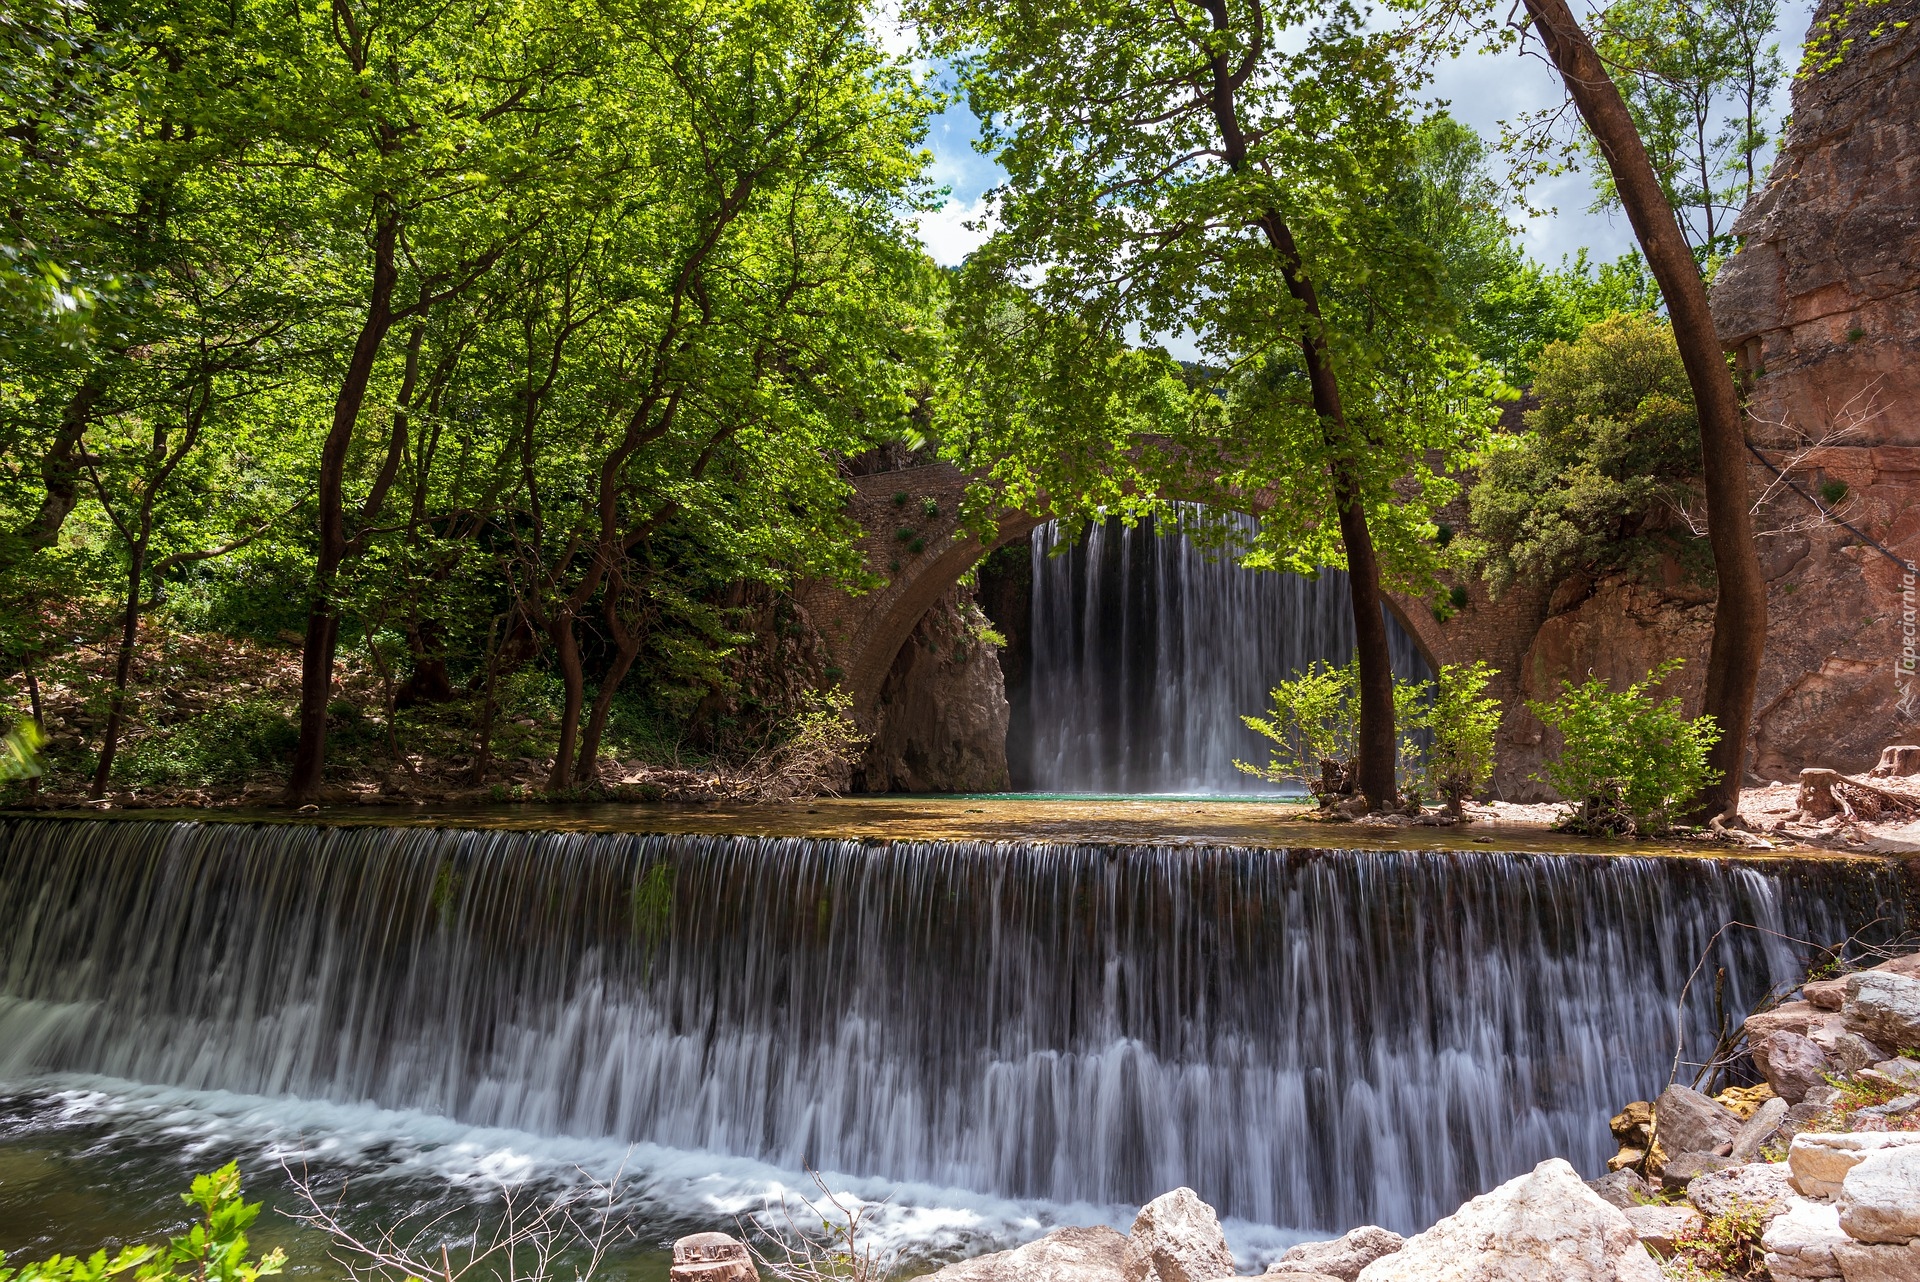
[946,234]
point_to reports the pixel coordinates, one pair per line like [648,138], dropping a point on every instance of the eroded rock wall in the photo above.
[940,722]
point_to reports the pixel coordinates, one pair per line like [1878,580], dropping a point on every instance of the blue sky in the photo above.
[1481,89]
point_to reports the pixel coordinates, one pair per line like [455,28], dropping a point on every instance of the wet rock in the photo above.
[1792,1064]
[1622,1189]
[1764,1186]
[1861,1262]
[1685,1121]
[1660,1227]
[1341,1258]
[1683,1170]
[1176,1238]
[1546,1225]
[1880,1197]
[1064,1255]
[1883,1007]
[1821,1159]
[1800,1243]
[712,1257]
[1761,1127]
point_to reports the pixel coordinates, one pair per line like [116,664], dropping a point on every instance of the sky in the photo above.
[1480,89]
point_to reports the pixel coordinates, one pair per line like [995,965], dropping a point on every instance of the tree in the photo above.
[1740,611]
[1175,169]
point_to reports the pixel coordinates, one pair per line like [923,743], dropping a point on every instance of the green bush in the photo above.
[1460,719]
[1313,723]
[213,1250]
[1628,761]
[226,745]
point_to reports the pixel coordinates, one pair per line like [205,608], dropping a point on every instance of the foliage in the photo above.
[214,1249]
[1627,760]
[1312,725]
[818,746]
[1726,1245]
[1461,720]
[1605,471]
[1697,77]
[20,751]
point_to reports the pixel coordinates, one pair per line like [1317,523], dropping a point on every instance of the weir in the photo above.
[1310,1039]
[1147,650]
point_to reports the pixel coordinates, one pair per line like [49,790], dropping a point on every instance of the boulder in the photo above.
[1824,994]
[1176,1238]
[1660,1227]
[1761,1127]
[1633,1125]
[1846,1049]
[1787,1017]
[1880,1197]
[712,1257]
[1064,1255]
[1545,1226]
[1625,1158]
[1622,1189]
[1688,1167]
[1900,1072]
[1341,1258]
[1821,1159]
[1883,1007]
[1791,1063]
[1764,1186]
[1685,1121]
[1861,1262]
[1801,1242]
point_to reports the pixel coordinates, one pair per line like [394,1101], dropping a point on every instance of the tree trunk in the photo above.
[123,667]
[59,475]
[1377,752]
[323,620]
[588,767]
[1740,612]
[567,648]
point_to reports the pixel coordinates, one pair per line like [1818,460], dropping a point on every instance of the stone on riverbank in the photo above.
[1884,1008]
[1685,1121]
[1800,1243]
[1622,1189]
[1792,1064]
[1759,1128]
[1176,1238]
[1821,1159]
[1342,1258]
[1065,1255]
[1763,1186]
[1660,1227]
[1546,1226]
[1880,1197]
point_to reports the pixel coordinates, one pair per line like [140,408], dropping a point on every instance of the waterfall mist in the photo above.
[1309,1039]
[1146,653]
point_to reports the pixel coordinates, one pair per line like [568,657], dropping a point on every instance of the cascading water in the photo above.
[1146,652]
[1309,1039]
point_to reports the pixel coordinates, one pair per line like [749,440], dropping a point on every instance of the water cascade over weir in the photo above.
[1146,652]
[1309,1039]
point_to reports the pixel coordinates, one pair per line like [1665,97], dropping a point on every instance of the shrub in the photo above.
[1628,761]
[1723,1246]
[1312,724]
[820,744]
[225,745]
[1460,719]
[213,1250]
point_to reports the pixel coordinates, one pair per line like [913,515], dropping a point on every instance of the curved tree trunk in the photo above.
[566,648]
[1740,611]
[122,669]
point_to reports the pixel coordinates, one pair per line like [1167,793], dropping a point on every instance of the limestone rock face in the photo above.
[940,722]
[1545,1226]
[1883,1007]
[1765,1186]
[1880,1197]
[1685,1121]
[1176,1238]
[1822,309]
[1660,1227]
[1064,1255]
[1861,1262]
[1341,1258]
[712,1257]
[1821,1159]
[1800,1244]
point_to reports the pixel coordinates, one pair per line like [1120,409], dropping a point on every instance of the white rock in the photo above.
[1861,1262]
[1064,1255]
[1546,1226]
[1763,1186]
[1177,1238]
[1800,1244]
[1342,1258]
[1884,1008]
[1880,1197]
[1821,1159]
[1660,1227]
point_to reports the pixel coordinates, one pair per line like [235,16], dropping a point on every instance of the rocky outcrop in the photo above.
[1883,1007]
[1685,1121]
[940,721]
[1545,1225]
[1342,1258]
[1880,1197]
[1821,1161]
[1064,1255]
[1176,1238]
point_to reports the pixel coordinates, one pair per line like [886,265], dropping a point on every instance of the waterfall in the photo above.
[1146,652]
[1311,1039]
